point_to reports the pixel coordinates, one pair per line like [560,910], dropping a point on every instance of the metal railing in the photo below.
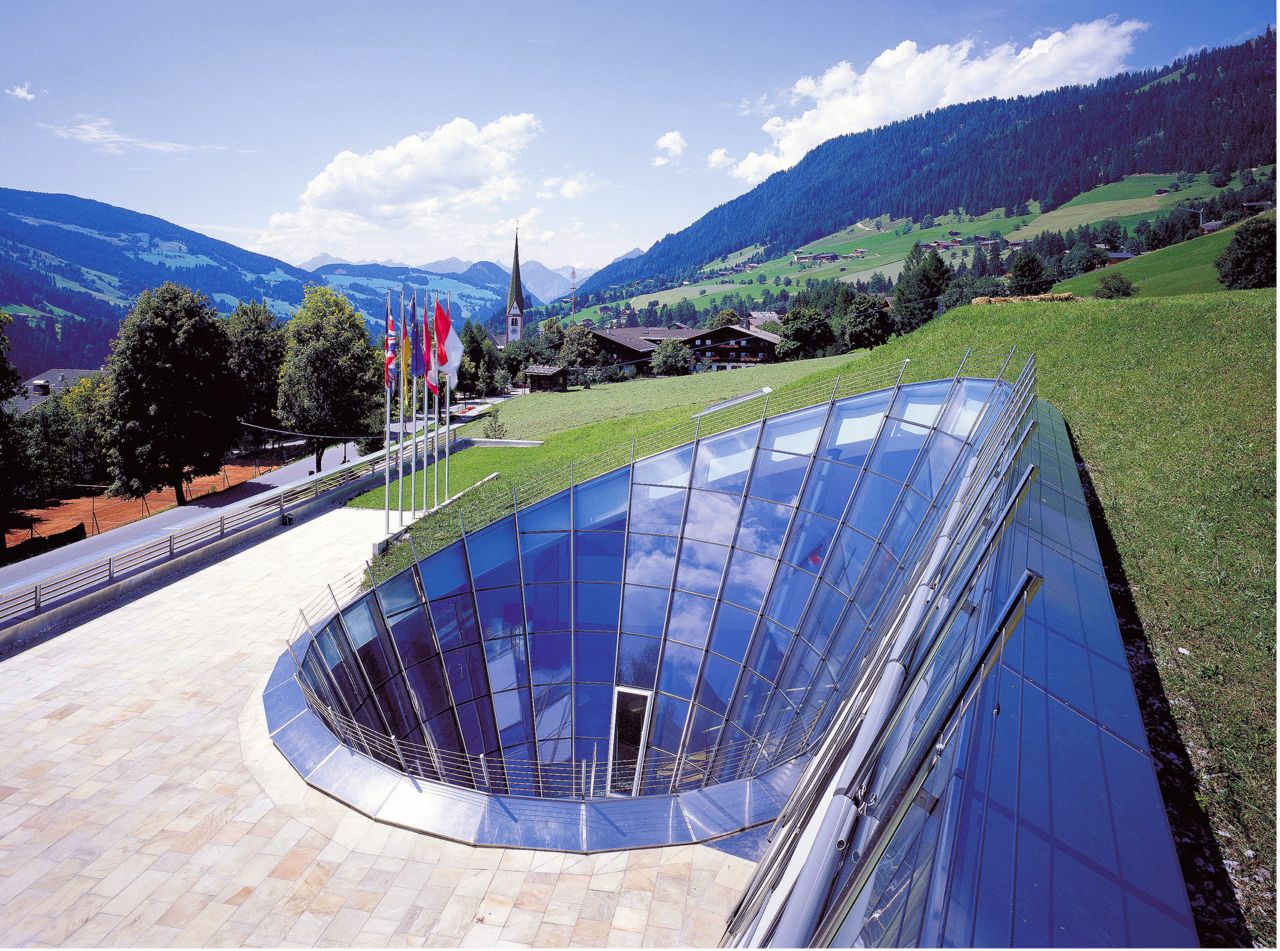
[31,598]
[569,779]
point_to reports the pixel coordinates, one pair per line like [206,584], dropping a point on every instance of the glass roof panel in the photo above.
[853,427]
[701,567]
[666,468]
[712,516]
[651,559]
[601,503]
[492,554]
[657,509]
[778,476]
[795,432]
[724,460]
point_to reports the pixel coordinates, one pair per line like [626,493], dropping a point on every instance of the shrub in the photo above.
[1113,285]
[494,427]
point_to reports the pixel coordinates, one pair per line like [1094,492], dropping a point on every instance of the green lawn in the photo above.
[1185,268]
[1171,402]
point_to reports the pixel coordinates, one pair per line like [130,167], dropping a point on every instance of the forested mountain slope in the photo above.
[1215,109]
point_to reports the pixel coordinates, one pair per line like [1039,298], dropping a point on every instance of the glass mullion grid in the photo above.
[677,776]
[486,771]
[617,650]
[798,638]
[756,632]
[666,620]
[331,681]
[368,682]
[645,768]
[536,764]
[401,671]
[573,643]
[453,773]
[962,455]
[894,507]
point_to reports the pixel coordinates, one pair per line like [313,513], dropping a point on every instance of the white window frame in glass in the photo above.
[644,740]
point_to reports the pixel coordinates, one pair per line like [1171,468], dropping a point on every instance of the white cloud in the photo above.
[457,190]
[574,186]
[22,92]
[102,134]
[720,158]
[673,144]
[906,80]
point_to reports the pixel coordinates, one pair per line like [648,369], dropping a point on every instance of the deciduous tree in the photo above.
[672,357]
[331,377]
[1249,261]
[172,396]
[257,352]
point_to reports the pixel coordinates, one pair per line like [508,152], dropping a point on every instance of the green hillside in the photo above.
[1171,404]
[1185,268]
[885,248]
[1128,201]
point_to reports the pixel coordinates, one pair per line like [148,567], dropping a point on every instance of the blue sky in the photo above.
[413,132]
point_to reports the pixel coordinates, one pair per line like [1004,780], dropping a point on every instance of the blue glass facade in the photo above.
[887,612]
[736,579]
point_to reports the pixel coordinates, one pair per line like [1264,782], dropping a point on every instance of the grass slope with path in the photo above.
[1171,403]
[1185,268]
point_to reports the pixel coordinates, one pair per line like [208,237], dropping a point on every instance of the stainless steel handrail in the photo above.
[585,779]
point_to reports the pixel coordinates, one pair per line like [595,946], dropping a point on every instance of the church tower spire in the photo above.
[515,298]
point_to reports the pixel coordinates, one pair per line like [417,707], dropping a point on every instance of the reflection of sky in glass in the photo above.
[692,574]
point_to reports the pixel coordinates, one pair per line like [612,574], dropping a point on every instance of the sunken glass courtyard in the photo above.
[872,618]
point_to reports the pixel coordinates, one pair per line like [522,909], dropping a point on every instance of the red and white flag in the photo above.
[389,368]
[429,353]
[448,346]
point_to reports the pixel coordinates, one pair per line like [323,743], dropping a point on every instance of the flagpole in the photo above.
[416,343]
[400,441]
[386,442]
[448,309]
[386,469]
[435,409]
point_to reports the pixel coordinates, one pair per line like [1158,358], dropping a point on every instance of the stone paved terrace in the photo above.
[141,802]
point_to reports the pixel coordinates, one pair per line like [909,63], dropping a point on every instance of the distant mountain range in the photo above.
[1212,109]
[547,284]
[70,268]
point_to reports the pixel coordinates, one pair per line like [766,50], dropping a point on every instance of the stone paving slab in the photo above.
[142,804]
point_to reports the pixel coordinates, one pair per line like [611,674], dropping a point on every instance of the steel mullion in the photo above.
[484,656]
[421,583]
[528,642]
[852,495]
[395,649]
[715,608]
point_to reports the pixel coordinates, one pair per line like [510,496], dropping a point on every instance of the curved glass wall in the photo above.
[684,620]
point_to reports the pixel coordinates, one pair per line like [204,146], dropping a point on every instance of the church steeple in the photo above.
[515,298]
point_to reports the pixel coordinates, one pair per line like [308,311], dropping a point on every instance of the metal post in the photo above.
[584,780]
[595,750]
[484,771]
